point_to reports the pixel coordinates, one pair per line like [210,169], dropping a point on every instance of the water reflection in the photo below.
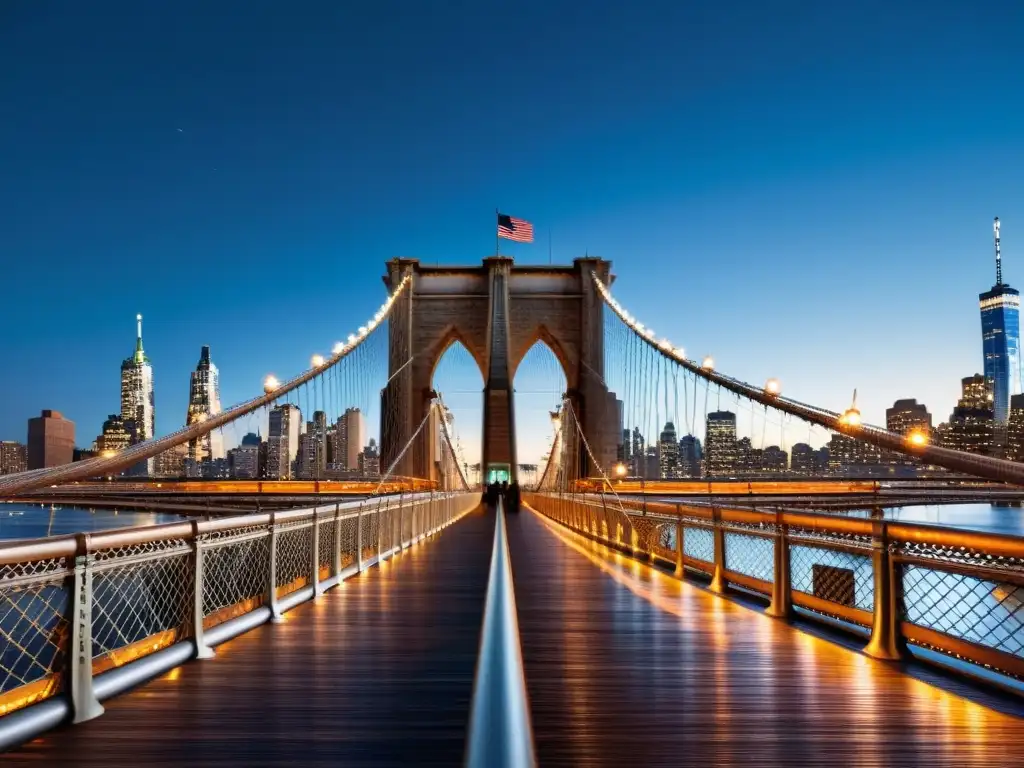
[31,521]
[975,517]
[989,518]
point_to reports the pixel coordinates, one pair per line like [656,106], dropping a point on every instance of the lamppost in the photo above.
[620,471]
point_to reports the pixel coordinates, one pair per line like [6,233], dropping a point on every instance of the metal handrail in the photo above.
[989,543]
[103,611]
[26,550]
[951,592]
[500,734]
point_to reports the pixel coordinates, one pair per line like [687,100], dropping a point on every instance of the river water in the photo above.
[25,521]
[972,517]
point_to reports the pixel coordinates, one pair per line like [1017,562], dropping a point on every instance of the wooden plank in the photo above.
[627,666]
[377,672]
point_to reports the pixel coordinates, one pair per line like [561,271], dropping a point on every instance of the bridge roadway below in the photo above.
[624,665]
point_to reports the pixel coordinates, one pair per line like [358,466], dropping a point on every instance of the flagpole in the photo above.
[497,232]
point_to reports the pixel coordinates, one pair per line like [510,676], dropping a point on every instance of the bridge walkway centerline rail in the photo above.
[626,665]
[378,671]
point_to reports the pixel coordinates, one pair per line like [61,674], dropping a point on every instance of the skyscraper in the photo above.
[690,456]
[1000,338]
[13,457]
[908,415]
[51,440]
[283,441]
[114,437]
[369,461]
[137,404]
[204,402]
[668,453]
[349,440]
[971,426]
[720,444]
[1015,429]
[312,460]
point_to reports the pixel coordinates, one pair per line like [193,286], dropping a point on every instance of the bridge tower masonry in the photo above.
[498,311]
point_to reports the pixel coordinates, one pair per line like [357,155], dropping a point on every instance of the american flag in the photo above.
[512,228]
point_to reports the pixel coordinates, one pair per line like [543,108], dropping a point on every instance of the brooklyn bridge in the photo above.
[584,617]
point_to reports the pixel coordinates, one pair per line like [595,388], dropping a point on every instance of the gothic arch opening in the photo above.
[539,383]
[456,377]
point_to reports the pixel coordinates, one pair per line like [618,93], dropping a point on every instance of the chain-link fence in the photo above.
[957,592]
[750,555]
[130,593]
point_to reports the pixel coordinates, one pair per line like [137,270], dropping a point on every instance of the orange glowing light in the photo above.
[917,437]
[850,417]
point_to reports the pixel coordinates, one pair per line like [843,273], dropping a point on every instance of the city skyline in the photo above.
[871,212]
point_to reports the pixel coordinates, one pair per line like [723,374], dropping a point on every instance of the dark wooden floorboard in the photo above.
[626,666]
[378,672]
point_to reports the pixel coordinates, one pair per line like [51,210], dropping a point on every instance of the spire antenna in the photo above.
[999,257]
[138,319]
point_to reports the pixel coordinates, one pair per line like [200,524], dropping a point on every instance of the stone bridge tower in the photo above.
[497,311]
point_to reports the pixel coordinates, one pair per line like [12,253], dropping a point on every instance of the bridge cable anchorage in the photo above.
[998,470]
[500,733]
[274,391]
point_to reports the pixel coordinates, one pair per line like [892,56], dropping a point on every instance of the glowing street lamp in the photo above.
[270,384]
[772,387]
[851,417]
[317,361]
[917,437]
[339,347]
[708,364]
[620,470]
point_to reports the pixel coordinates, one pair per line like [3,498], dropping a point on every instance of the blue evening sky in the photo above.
[803,189]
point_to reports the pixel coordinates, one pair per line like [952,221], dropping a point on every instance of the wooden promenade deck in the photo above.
[378,672]
[625,666]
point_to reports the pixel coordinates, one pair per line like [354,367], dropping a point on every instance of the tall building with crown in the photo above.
[137,406]
[204,402]
[1000,338]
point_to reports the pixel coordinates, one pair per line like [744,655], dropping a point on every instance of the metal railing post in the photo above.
[680,570]
[396,525]
[718,536]
[84,704]
[781,606]
[886,639]
[336,556]
[203,651]
[315,559]
[414,516]
[275,609]
[402,513]
[379,527]
[359,538]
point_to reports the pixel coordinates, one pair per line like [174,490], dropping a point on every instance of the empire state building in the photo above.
[137,407]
